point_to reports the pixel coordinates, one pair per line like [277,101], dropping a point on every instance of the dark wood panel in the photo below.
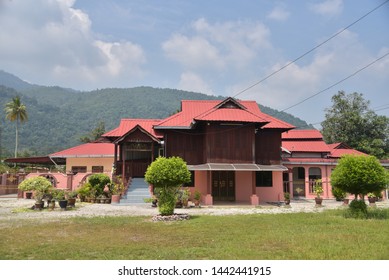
[187,145]
[230,143]
[268,147]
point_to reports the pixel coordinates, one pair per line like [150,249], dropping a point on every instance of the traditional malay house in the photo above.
[232,149]
[235,153]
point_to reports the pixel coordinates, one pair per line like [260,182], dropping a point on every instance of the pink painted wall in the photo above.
[60,178]
[274,193]
[243,185]
[200,184]
[325,175]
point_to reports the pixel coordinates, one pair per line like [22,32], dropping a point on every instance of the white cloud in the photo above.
[279,13]
[195,52]
[54,39]
[192,82]
[221,46]
[328,7]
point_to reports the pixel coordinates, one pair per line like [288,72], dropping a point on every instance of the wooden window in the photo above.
[97,169]
[264,178]
[78,169]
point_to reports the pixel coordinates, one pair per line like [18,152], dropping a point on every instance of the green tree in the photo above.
[167,175]
[16,111]
[359,175]
[95,134]
[350,120]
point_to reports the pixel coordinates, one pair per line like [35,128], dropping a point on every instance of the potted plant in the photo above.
[185,197]
[117,190]
[318,190]
[39,203]
[39,186]
[84,191]
[71,197]
[61,198]
[197,198]
[371,197]
[287,198]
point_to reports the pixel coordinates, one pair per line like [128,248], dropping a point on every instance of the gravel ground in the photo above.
[12,209]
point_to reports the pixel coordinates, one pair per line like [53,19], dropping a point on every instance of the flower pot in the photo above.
[63,204]
[52,205]
[371,200]
[115,198]
[287,201]
[39,205]
[71,202]
[318,201]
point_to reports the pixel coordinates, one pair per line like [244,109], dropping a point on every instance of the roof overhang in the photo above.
[236,167]
[35,160]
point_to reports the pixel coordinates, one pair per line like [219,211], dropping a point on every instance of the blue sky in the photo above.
[209,46]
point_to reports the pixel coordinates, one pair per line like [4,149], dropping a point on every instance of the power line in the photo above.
[311,50]
[338,82]
[374,110]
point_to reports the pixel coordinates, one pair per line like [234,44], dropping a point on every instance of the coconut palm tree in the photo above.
[16,111]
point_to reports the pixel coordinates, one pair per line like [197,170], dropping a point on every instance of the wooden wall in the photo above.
[225,143]
[268,147]
[230,143]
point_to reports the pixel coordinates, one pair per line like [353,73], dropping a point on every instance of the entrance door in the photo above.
[223,185]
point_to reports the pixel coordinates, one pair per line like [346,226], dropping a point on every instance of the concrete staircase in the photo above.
[138,190]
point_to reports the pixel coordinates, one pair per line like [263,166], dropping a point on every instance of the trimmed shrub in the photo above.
[357,209]
[338,194]
[98,181]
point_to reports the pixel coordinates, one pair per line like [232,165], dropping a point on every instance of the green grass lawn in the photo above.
[297,236]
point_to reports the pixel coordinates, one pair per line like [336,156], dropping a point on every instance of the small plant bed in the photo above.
[171,218]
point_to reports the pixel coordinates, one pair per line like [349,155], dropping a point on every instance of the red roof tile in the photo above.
[232,115]
[212,110]
[128,124]
[302,134]
[337,153]
[306,146]
[87,150]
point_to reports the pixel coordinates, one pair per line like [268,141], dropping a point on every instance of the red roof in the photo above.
[232,115]
[127,125]
[306,146]
[337,153]
[214,110]
[340,149]
[87,150]
[302,134]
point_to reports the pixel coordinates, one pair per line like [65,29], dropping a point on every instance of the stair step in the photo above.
[138,190]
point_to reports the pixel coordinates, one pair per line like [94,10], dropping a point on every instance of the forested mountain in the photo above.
[58,117]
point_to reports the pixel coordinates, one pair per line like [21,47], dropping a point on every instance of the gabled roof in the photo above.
[340,149]
[127,125]
[339,146]
[338,153]
[301,134]
[87,150]
[230,110]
